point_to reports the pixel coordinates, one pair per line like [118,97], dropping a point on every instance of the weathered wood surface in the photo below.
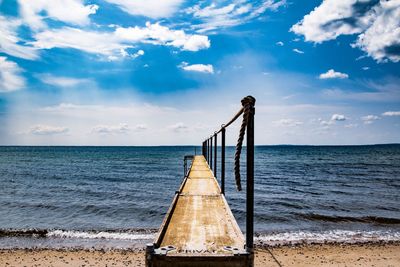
[201,222]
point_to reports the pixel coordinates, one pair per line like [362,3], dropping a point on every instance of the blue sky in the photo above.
[122,72]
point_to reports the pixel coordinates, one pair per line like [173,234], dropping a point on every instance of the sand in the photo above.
[311,255]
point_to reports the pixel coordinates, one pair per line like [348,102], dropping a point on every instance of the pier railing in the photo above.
[209,149]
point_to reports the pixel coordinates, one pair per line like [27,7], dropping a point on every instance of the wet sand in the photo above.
[310,255]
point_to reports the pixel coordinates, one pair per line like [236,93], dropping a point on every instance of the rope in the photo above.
[247,103]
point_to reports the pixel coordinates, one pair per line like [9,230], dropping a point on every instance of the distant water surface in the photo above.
[118,196]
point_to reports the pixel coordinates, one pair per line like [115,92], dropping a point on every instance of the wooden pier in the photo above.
[199,229]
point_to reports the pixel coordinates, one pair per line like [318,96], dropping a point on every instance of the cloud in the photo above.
[298,51]
[178,127]
[88,41]
[148,8]
[214,16]
[114,44]
[332,74]
[391,113]
[61,81]
[280,43]
[351,125]
[141,127]
[10,43]
[197,67]
[69,11]
[338,117]
[287,122]
[385,90]
[47,130]
[121,128]
[334,118]
[161,35]
[375,22]
[381,40]
[192,43]
[10,76]
[369,119]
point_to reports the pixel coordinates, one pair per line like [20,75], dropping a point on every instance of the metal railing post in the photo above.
[208,150]
[223,161]
[215,155]
[250,181]
[211,153]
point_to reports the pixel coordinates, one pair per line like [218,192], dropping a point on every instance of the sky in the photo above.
[150,72]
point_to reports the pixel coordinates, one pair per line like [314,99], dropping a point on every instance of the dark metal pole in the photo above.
[211,152]
[215,155]
[250,181]
[205,149]
[208,150]
[223,161]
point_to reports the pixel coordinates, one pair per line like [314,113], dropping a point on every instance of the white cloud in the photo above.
[391,113]
[385,90]
[334,118]
[69,11]
[211,10]
[325,123]
[376,22]
[325,21]
[332,74]
[10,43]
[114,44]
[298,51]
[121,128]
[139,53]
[178,127]
[287,122]
[192,43]
[267,5]
[47,130]
[141,127]
[280,43]
[369,119]
[10,76]
[148,8]
[365,68]
[197,67]
[214,15]
[381,40]
[61,81]
[351,125]
[338,117]
[161,35]
[88,41]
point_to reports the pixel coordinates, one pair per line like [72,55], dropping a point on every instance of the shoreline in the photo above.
[365,254]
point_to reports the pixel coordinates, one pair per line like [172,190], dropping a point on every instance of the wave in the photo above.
[101,235]
[364,219]
[136,234]
[334,236]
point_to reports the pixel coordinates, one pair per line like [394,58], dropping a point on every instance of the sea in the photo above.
[116,197]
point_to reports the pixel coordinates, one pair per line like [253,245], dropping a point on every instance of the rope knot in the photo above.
[248,100]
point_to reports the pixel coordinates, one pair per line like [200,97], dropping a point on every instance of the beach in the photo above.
[308,255]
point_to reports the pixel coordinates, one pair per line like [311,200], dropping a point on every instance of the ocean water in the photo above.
[116,197]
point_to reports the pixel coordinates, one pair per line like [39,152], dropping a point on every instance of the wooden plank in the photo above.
[202,222]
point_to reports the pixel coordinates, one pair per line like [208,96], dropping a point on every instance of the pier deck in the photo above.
[199,229]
